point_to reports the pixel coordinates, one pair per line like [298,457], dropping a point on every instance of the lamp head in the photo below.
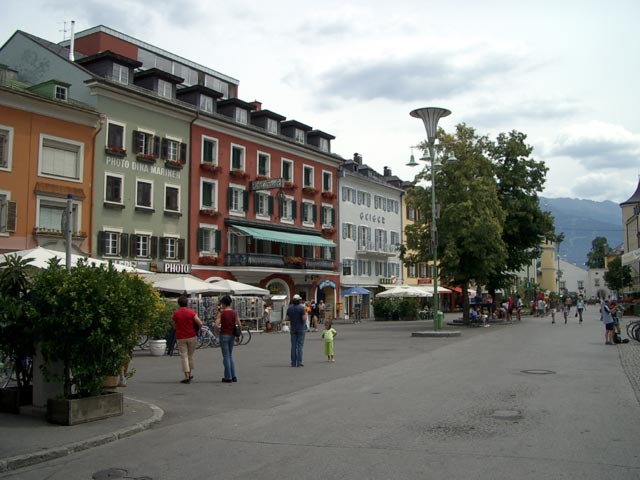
[430,117]
[412,161]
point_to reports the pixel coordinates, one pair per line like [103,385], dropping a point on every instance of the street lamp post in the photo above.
[430,117]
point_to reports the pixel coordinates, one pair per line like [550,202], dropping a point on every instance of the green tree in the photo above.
[599,249]
[618,276]
[470,245]
[519,180]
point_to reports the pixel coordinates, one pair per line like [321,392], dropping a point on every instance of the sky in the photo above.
[563,72]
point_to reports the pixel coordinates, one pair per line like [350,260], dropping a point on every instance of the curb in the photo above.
[28,459]
[438,333]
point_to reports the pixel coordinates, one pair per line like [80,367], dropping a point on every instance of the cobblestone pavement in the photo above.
[630,359]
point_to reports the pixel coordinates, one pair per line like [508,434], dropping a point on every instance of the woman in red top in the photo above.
[187,325]
[226,322]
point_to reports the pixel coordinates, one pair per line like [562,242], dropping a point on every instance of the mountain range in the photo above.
[582,221]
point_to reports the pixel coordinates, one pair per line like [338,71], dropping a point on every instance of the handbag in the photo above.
[236,328]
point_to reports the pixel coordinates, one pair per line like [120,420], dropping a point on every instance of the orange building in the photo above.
[46,154]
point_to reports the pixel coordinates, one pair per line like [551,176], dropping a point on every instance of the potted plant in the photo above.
[328,195]
[16,332]
[88,319]
[210,167]
[207,259]
[328,230]
[210,212]
[238,173]
[159,328]
[294,262]
[309,190]
[115,151]
[173,164]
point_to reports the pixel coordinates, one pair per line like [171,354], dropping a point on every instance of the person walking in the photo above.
[186,323]
[322,308]
[297,318]
[225,323]
[328,335]
[315,314]
[580,308]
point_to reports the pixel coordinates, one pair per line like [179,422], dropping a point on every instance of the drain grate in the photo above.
[538,372]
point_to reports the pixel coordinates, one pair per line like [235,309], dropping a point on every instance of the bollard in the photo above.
[440,320]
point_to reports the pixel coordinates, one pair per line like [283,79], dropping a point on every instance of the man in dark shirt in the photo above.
[297,318]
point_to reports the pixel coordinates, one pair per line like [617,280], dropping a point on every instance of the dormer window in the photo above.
[241,116]
[272,126]
[324,145]
[165,89]
[120,73]
[206,103]
[61,93]
[299,135]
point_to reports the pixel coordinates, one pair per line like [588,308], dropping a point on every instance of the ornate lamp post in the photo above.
[430,117]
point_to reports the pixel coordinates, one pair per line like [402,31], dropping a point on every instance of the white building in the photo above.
[370,232]
[573,279]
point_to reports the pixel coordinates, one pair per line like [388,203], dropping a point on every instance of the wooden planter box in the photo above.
[12,398]
[82,410]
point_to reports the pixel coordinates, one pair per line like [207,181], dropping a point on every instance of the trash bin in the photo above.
[440,320]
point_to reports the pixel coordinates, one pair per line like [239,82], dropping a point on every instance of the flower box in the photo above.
[115,151]
[309,190]
[82,410]
[294,262]
[262,177]
[237,173]
[207,260]
[209,167]
[173,164]
[328,231]
[210,212]
[289,186]
[146,157]
[328,195]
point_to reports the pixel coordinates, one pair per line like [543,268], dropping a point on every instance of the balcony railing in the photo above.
[381,249]
[274,261]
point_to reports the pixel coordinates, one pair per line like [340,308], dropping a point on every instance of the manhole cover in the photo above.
[538,372]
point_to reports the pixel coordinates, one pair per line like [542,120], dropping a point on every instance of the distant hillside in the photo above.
[582,221]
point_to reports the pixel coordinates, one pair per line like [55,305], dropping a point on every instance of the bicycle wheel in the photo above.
[143,342]
[202,339]
[245,337]
[635,332]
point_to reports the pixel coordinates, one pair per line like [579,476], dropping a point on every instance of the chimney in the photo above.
[256,106]
[387,172]
[72,43]
[357,158]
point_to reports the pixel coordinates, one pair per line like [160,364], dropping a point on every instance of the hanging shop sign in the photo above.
[327,283]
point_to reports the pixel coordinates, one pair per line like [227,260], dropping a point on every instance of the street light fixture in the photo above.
[430,117]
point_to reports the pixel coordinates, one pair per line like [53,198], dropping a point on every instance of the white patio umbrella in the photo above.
[429,289]
[404,291]
[184,283]
[40,258]
[237,288]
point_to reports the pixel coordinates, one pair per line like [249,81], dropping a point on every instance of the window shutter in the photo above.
[207,194]
[245,201]
[217,240]
[294,208]
[133,251]
[256,202]
[156,146]
[183,153]
[181,249]
[281,207]
[101,239]
[270,205]
[12,215]
[229,198]
[124,244]
[344,230]
[333,217]
[201,234]
[314,214]
[136,145]
[154,247]
[163,151]
[163,247]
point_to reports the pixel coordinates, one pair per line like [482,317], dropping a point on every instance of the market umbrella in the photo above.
[237,288]
[184,283]
[404,291]
[355,291]
[40,258]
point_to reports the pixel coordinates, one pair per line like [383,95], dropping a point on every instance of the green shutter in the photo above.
[218,240]
[201,234]
[245,200]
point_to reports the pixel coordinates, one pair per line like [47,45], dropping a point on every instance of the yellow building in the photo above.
[548,269]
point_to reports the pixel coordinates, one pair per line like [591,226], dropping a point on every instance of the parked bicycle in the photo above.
[633,330]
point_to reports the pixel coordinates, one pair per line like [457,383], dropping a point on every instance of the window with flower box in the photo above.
[208,194]
[309,213]
[209,150]
[328,216]
[327,182]
[287,170]
[115,136]
[209,240]
[146,144]
[237,157]
[51,214]
[263,203]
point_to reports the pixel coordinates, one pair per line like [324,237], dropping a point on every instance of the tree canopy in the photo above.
[599,248]
[618,276]
[491,224]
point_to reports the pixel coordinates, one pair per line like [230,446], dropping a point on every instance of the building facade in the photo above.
[631,231]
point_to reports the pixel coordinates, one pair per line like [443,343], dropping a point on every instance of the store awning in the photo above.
[285,237]
[631,257]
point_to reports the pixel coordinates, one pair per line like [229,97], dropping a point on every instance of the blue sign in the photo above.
[327,283]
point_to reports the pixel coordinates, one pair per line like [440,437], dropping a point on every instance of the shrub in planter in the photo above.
[89,318]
